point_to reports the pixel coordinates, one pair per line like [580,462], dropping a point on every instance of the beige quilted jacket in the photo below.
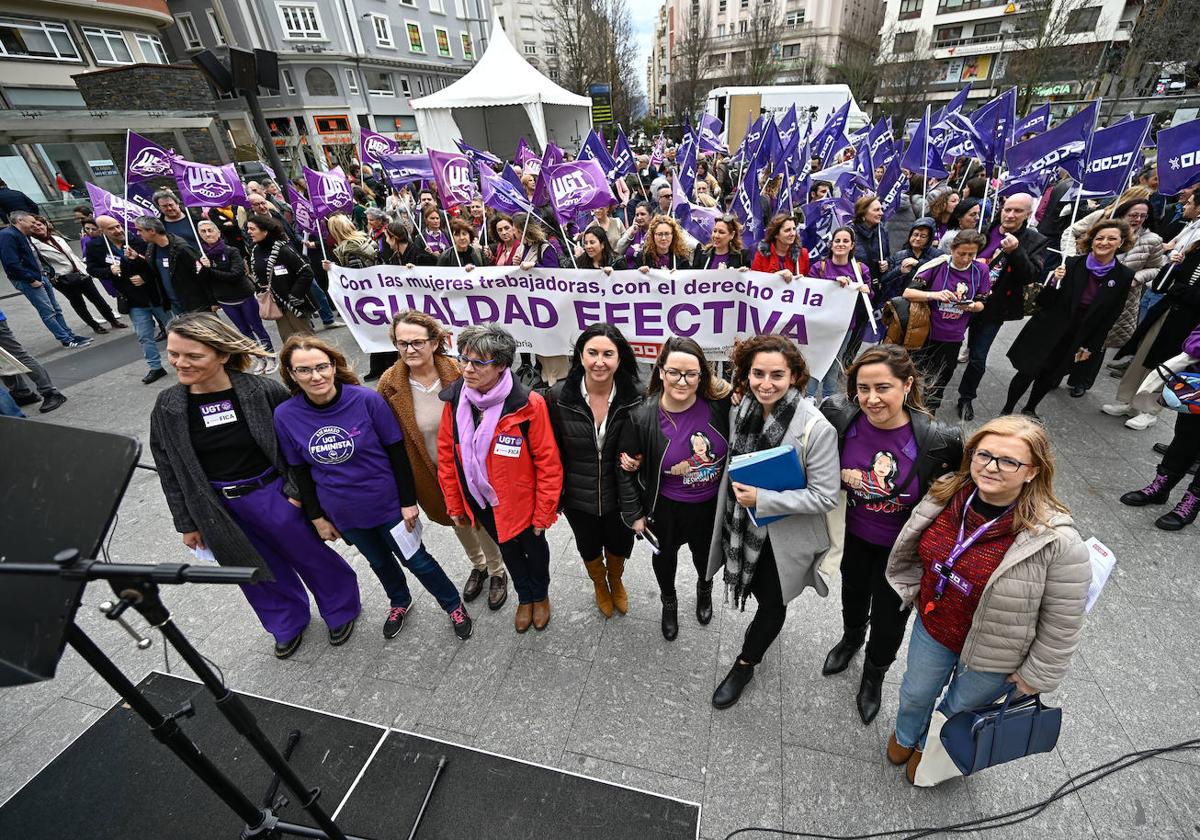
[1030,614]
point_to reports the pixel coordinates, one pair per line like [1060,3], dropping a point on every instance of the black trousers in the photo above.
[596,534]
[76,295]
[526,556]
[677,524]
[1083,374]
[1183,449]
[936,361]
[768,618]
[867,598]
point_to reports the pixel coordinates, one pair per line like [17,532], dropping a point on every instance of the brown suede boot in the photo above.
[897,754]
[616,569]
[541,614]
[910,771]
[604,598]
[524,617]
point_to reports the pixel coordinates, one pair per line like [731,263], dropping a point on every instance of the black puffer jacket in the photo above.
[643,436]
[589,476]
[939,447]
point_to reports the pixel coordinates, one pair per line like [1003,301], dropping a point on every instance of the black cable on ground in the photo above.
[1019,815]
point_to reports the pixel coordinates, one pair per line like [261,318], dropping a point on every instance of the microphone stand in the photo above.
[136,586]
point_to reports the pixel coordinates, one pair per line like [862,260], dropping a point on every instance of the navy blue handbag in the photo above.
[990,735]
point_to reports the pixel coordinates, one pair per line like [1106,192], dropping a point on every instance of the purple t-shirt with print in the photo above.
[344,444]
[874,460]
[948,321]
[695,454]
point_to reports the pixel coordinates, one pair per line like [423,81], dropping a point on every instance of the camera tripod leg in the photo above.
[273,787]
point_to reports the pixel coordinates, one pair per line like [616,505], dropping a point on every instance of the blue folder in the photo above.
[778,468]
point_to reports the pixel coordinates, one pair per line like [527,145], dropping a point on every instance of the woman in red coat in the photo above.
[780,252]
[496,441]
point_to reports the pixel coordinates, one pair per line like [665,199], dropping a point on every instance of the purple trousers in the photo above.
[245,317]
[298,558]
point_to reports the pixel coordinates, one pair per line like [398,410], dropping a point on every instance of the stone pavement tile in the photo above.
[1017,784]
[658,696]
[1153,701]
[369,699]
[576,625]
[1160,571]
[1126,804]
[820,713]
[895,804]
[1179,786]
[663,784]
[832,794]
[1173,626]
[465,690]
[536,707]
[42,739]
[422,651]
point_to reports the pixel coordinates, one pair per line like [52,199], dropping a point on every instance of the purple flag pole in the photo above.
[1087,151]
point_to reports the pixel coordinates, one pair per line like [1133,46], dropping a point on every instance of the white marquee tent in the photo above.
[500,100]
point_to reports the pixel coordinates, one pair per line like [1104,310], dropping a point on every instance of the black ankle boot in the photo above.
[870,691]
[704,601]
[841,654]
[966,411]
[730,689]
[670,618]
[1157,492]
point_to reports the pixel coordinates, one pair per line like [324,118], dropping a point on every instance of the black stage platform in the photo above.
[116,782]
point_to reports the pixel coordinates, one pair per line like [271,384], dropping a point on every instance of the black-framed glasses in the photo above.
[308,372]
[983,459]
[417,345]
[672,375]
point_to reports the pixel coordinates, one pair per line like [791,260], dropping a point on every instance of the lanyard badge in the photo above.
[944,569]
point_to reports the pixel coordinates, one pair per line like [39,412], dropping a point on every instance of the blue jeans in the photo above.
[1149,298]
[385,557]
[144,318]
[8,406]
[46,304]
[322,301]
[930,666]
[980,335]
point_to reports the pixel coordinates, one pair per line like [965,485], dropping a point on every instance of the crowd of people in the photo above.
[267,458]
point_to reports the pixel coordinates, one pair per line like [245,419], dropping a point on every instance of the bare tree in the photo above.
[689,61]
[596,45]
[617,64]
[906,70]
[1042,48]
[1163,32]
[573,26]
[858,67]
[760,43]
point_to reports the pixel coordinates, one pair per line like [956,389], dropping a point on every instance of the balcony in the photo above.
[947,7]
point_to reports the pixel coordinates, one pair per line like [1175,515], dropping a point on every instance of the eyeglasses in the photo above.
[983,459]
[672,375]
[417,345]
[466,361]
[308,372]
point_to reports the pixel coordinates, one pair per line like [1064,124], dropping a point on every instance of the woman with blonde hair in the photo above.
[356,483]
[667,248]
[229,488]
[412,387]
[351,247]
[999,576]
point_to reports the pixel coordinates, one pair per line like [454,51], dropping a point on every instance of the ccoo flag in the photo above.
[477,155]
[1063,144]
[921,155]
[575,187]
[593,148]
[1178,157]
[105,203]
[1037,122]
[710,134]
[747,206]
[623,159]
[500,194]
[452,174]
[399,170]
[1113,155]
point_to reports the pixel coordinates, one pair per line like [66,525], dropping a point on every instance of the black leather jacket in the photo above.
[939,446]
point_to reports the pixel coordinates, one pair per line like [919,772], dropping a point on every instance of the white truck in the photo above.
[736,106]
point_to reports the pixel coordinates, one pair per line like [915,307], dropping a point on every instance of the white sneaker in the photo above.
[270,366]
[963,354]
[1141,422]
[1116,409]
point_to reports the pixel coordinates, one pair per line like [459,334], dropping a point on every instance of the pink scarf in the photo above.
[476,442]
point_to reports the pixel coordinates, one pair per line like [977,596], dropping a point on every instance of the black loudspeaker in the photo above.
[267,65]
[215,70]
[241,65]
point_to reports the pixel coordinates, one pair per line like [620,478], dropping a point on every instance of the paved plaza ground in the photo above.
[612,699]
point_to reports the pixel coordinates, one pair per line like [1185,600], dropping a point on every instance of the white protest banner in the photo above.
[547,309]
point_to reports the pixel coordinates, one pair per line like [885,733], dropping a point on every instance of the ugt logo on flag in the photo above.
[569,186]
[334,191]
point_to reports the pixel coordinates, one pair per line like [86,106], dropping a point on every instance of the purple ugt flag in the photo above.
[452,174]
[145,159]
[372,146]
[302,211]
[697,221]
[201,185]
[328,192]
[524,154]
[105,203]
[576,186]
[477,155]
[499,194]
[1178,157]
[551,157]
[1062,145]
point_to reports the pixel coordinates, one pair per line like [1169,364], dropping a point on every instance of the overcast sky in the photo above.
[645,13]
